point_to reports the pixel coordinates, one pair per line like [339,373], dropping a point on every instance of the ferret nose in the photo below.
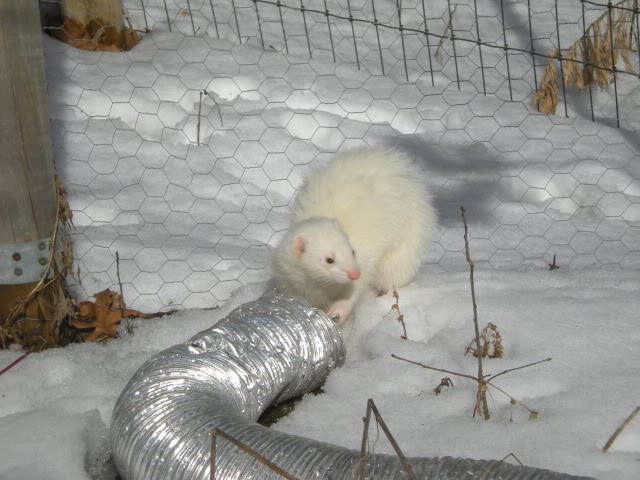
[354,275]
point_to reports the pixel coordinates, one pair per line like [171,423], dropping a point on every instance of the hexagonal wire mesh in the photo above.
[184,153]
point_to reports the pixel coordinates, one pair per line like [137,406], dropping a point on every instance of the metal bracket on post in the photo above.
[24,262]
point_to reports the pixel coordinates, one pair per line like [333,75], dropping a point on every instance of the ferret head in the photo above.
[324,251]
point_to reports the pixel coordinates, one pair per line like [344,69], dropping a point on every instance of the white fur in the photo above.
[369,200]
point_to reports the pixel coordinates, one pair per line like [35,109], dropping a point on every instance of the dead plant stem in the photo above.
[473,291]
[365,441]
[620,429]
[123,307]
[245,448]
[493,467]
[493,377]
[406,465]
[481,403]
[396,306]
[434,368]
[511,398]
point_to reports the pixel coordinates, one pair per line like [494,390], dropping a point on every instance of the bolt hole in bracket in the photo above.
[23,262]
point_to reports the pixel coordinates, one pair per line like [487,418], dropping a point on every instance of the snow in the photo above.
[124,134]
[56,406]
[534,184]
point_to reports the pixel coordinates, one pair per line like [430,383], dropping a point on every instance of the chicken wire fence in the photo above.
[184,153]
[415,31]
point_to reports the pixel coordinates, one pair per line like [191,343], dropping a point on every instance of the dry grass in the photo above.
[591,60]
[40,318]
[546,98]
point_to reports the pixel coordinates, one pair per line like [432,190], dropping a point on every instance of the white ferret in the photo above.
[365,219]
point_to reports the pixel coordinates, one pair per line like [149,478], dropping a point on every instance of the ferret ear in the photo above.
[299,244]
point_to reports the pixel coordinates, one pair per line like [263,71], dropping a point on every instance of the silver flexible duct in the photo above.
[264,352]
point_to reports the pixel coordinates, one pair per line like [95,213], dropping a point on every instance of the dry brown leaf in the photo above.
[444,382]
[132,38]
[103,315]
[490,343]
[94,36]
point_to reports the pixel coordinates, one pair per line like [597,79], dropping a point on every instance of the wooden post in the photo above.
[96,25]
[28,198]
[27,188]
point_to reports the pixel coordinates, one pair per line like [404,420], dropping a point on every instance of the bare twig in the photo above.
[396,306]
[621,428]
[359,469]
[533,414]
[445,35]
[371,407]
[217,106]
[493,467]
[363,445]
[482,386]
[245,448]
[473,288]
[493,377]
[481,403]
[199,113]
[434,368]
[123,307]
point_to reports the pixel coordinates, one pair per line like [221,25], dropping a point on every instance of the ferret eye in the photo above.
[330,260]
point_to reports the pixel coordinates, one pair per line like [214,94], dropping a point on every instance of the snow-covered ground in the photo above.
[56,406]
[193,223]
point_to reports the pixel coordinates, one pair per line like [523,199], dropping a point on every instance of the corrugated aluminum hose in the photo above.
[263,353]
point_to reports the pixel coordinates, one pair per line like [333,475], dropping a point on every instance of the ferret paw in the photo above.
[339,311]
